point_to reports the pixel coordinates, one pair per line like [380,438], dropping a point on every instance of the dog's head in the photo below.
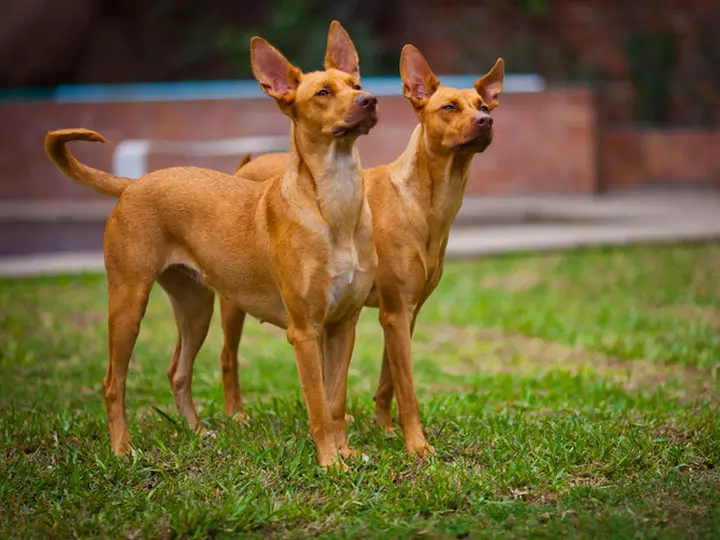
[460,119]
[328,104]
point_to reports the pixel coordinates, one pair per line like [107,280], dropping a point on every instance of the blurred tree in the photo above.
[651,60]
[298,28]
[537,7]
[41,40]
[654,62]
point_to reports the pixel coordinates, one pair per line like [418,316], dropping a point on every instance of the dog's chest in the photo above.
[350,267]
[340,187]
[344,271]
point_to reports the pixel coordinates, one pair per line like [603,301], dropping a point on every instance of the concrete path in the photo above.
[487,226]
[484,226]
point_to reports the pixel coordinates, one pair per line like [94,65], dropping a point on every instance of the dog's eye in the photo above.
[322,93]
[484,108]
[449,107]
[357,87]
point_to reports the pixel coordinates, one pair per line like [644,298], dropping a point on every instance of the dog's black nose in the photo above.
[484,121]
[366,101]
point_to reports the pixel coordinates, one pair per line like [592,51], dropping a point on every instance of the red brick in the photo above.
[631,158]
[544,143]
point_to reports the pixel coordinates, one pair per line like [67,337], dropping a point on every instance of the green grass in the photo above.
[572,394]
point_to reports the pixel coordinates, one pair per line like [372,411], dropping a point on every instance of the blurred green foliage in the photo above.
[298,29]
[536,7]
[651,59]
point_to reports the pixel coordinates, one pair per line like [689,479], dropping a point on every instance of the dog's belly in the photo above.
[259,298]
[373,298]
[245,286]
[264,307]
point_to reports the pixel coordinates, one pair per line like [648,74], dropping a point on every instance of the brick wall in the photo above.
[544,143]
[641,158]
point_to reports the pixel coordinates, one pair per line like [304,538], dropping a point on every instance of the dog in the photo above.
[296,251]
[414,201]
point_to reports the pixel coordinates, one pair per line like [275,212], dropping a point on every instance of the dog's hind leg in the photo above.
[384,394]
[233,319]
[384,397]
[193,307]
[126,307]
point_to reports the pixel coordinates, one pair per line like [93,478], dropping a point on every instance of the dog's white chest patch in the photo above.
[341,190]
[343,272]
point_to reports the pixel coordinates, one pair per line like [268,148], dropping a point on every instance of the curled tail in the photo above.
[102,182]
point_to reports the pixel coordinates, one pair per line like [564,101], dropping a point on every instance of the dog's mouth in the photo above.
[478,143]
[359,127]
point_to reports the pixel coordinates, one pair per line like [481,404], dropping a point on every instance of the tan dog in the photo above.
[414,202]
[296,251]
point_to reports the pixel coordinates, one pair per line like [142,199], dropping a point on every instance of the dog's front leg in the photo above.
[307,341]
[396,320]
[339,341]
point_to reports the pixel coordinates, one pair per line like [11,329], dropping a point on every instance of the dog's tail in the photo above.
[105,183]
[244,161]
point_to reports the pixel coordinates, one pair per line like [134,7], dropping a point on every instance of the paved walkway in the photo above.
[484,226]
[487,226]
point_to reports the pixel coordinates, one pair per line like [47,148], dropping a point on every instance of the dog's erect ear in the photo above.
[341,53]
[419,82]
[490,85]
[278,78]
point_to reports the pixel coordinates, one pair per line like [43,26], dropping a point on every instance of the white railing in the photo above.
[131,156]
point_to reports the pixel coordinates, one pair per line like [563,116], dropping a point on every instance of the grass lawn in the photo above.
[565,394]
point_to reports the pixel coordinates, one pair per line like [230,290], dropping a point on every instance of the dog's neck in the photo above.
[331,170]
[434,177]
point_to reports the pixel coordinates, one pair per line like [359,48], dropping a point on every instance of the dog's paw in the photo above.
[204,431]
[348,453]
[349,419]
[387,428]
[241,417]
[384,423]
[124,449]
[336,464]
[420,451]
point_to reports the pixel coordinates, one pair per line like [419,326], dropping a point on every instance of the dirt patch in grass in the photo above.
[674,433]
[83,320]
[694,313]
[701,466]
[680,509]
[705,273]
[533,496]
[496,351]
[521,280]
[525,278]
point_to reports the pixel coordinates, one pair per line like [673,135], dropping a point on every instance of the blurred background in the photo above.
[611,111]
